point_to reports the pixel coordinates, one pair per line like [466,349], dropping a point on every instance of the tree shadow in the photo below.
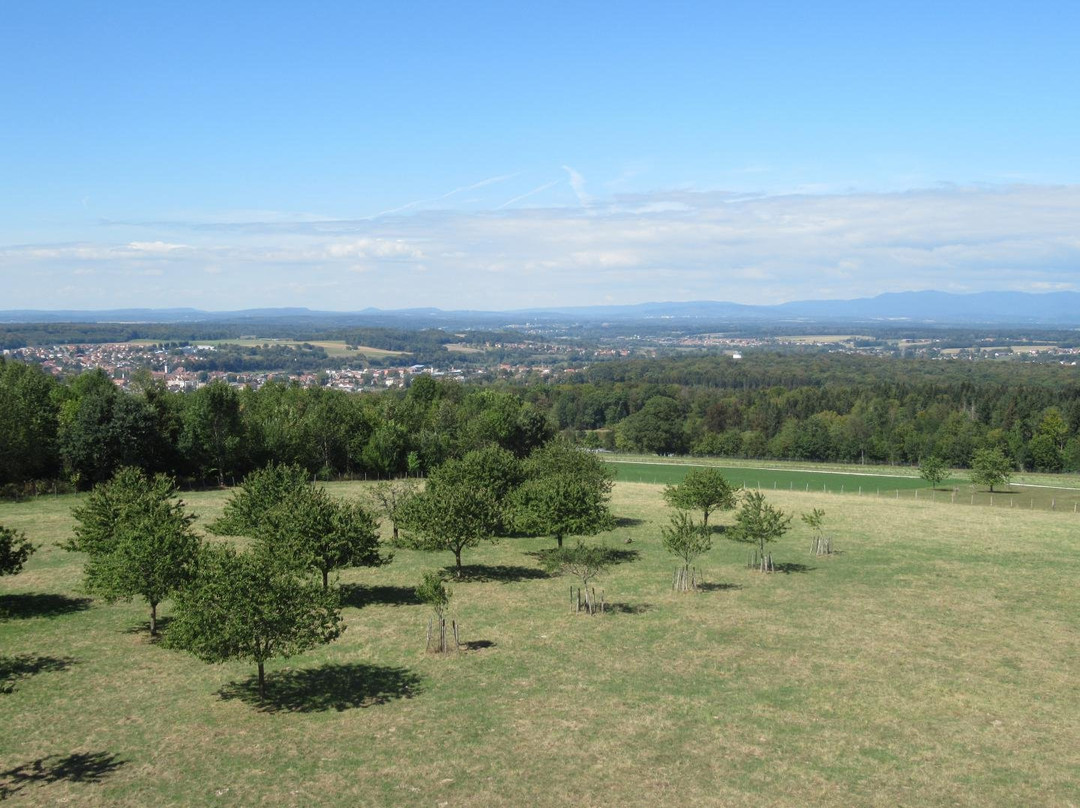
[789,567]
[718,530]
[360,595]
[78,767]
[628,608]
[143,627]
[24,665]
[332,687]
[627,521]
[504,573]
[35,604]
[477,645]
[718,587]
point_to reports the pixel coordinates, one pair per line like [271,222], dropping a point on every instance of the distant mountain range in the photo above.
[1060,309]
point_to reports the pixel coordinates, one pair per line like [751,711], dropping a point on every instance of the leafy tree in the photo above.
[584,562]
[15,548]
[435,593]
[815,520]
[655,428]
[702,489]
[260,492]
[213,432]
[138,539]
[933,470]
[990,467]
[449,516]
[565,493]
[390,495]
[687,540]
[759,523]
[309,528]
[247,606]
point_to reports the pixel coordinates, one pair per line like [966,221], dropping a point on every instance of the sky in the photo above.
[495,155]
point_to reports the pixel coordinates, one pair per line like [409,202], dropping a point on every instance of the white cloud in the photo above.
[629,248]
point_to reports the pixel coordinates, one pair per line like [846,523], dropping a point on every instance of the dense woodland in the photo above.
[826,407]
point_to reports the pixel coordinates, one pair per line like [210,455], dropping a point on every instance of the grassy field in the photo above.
[931,662]
[1039,492]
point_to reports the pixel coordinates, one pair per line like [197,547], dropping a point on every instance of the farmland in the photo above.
[931,662]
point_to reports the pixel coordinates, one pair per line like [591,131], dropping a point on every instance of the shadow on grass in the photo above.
[358,595]
[477,645]
[144,628]
[332,687]
[35,604]
[22,666]
[627,521]
[79,767]
[708,587]
[789,567]
[505,573]
[628,608]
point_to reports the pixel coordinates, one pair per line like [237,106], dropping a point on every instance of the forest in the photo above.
[79,430]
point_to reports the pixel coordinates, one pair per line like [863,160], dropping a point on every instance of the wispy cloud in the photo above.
[577,182]
[630,248]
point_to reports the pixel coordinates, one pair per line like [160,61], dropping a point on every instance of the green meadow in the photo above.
[932,661]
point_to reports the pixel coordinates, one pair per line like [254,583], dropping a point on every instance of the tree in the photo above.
[138,539]
[449,516]
[435,593]
[655,428]
[585,562]
[390,495]
[565,494]
[759,523]
[990,467]
[687,540]
[15,548]
[815,520]
[309,528]
[933,470]
[260,492]
[213,432]
[248,606]
[705,490]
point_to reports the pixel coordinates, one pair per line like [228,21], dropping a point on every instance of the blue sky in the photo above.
[344,155]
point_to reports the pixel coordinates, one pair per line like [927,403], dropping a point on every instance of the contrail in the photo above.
[526,195]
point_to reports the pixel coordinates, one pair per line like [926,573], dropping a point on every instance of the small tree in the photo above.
[991,467]
[687,540]
[759,523]
[449,516]
[435,593]
[15,548]
[309,528]
[138,539]
[815,520]
[933,470]
[584,562]
[389,496]
[705,490]
[249,606]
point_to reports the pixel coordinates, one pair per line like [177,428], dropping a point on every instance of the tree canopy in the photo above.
[138,539]
[245,605]
[705,490]
[991,467]
[15,549]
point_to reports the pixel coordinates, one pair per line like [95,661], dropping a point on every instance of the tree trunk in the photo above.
[153,618]
[395,533]
[262,682]
[705,519]
[558,538]
[457,558]
[325,581]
